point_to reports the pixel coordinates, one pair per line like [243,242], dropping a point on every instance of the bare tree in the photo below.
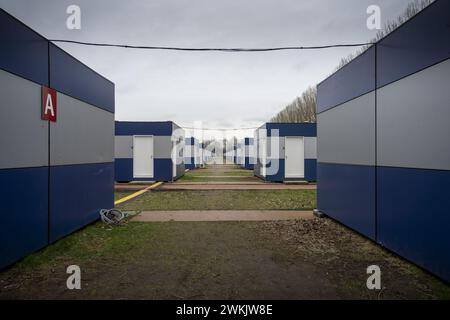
[411,10]
[302,109]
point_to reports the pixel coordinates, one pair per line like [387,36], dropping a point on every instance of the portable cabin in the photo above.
[192,153]
[148,151]
[206,155]
[286,152]
[57,142]
[240,153]
[248,157]
[383,141]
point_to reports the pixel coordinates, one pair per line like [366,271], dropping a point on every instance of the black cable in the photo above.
[213,49]
[220,129]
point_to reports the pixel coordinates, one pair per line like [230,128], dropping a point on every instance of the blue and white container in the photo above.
[285,151]
[383,141]
[55,175]
[248,154]
[148,151]
[193,153]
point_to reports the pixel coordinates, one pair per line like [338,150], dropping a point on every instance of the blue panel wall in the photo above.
[248,165]
[279,176]
[417,44]
[347,193]
[353,80]
[414,217]
[248,162]
[123,170]
[190,165]
[75,79]
[293,129]
[162,169]
[76,204]
[24,219]
[125,128]
[310,169]
[23,51]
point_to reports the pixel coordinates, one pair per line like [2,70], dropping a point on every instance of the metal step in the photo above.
[295,182]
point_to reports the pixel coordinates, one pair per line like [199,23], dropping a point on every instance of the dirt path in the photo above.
[222,215]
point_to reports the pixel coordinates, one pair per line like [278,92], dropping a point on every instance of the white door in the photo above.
[294,156]
[143,156]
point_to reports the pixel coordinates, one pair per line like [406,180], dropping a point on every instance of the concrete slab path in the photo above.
[222,215]
[235,186]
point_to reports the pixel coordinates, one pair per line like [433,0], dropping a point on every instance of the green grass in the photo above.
[226,174]
[120,194]
[230,173]
[224,200]
[191,178]
[96,241]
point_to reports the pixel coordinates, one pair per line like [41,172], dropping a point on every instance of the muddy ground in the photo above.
[304,259]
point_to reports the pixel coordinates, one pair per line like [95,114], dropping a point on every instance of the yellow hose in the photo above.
[138,193]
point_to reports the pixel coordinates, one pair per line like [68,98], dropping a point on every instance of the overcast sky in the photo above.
[223,90]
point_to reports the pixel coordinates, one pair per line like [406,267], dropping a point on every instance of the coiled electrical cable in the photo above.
[112,216]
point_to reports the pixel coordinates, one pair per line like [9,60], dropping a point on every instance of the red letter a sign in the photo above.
[48,104]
